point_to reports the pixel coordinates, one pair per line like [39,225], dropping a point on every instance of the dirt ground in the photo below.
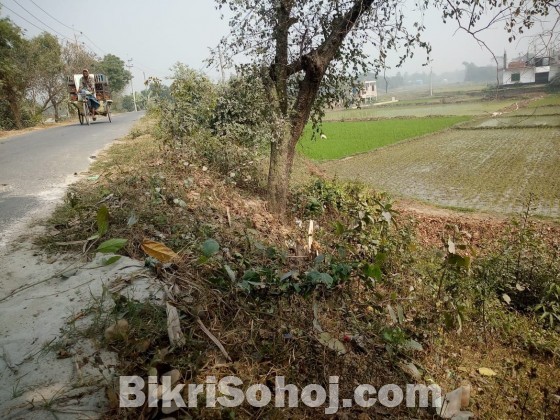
[39,376]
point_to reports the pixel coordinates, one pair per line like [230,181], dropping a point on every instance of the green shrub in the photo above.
[190,109]
[242,113]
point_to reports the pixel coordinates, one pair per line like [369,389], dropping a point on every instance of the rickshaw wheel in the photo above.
[86,113]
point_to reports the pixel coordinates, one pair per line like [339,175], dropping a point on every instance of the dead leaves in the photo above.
[176,336]
[327,340]
[159,251]
[486,371]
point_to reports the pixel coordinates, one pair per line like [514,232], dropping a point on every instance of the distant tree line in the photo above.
[33,74]
[474,73]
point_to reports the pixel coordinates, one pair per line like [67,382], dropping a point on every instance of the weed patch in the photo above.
[345,265]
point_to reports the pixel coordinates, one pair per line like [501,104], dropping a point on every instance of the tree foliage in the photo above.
[14,74]
[311,52]
[76,58]
[48,85]
[242,113]
[474,73]
[113,67]
[191,105]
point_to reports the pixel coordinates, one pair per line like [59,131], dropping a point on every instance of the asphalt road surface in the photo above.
[36,167]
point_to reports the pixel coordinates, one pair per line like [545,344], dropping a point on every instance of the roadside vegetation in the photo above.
[344,285]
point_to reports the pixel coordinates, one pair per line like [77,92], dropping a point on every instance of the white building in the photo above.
[369,92]
[538,70]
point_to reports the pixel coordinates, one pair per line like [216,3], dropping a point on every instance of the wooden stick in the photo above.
[213,338]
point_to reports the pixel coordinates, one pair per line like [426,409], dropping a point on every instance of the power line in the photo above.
[55,31]
[74,30]
[39,20]
[93,43]
[21,17]
[51,16]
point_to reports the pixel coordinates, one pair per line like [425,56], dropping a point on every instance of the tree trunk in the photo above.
[15,111]
[313,65]
[279,175]
[56,112]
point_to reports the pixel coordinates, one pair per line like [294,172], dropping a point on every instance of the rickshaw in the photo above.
[80,99]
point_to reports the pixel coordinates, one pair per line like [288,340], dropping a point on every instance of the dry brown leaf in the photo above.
[486,371]
[159,251]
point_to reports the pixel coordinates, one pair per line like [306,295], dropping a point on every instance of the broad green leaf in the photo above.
[102,220]
[210,247]
[400,313]
[287,275]
[459,261]
[111,260]
[339,228]
[317,278]
[111,246]
[373,271]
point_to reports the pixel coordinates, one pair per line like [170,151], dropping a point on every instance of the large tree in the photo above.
[48,78]
[76,58]
[113,67]
[311,52]
[14,74]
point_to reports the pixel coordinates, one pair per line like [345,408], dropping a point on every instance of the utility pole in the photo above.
[132,86]
[221,63]
[431,84]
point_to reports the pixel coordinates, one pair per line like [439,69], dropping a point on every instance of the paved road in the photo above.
[36,167]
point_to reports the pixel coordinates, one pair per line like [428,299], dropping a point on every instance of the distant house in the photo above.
[369,91]
[528,69]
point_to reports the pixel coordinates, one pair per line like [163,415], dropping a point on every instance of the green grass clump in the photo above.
[549,100]
[349,138]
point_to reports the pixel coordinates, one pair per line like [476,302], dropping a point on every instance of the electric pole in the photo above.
[431,84]
[131,85]
[221,63]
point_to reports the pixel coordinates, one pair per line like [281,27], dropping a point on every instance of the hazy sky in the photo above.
[157,34]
